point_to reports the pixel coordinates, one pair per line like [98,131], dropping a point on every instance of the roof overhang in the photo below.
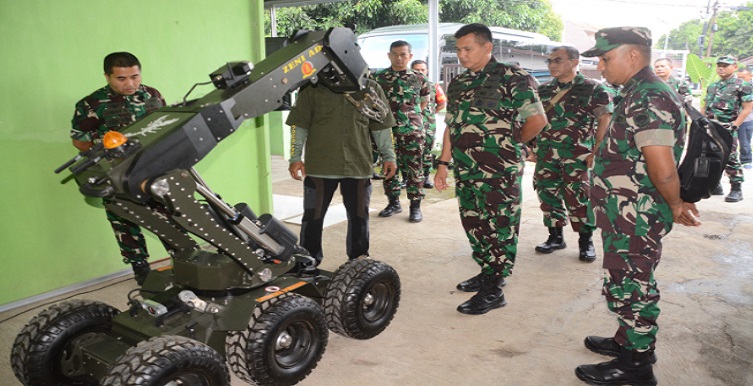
[296,3]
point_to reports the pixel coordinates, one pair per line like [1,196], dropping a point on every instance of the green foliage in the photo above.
[533,15]
[536,16]
[685,37]
[734,34]
[701,71]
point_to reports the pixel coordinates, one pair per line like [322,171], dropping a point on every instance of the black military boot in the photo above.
[415,211]
[474,284]
[488,297]
[586,246]
[718,191]
[392,208]
[630,368]
[427,181]
[141,269]
[555,241]
[736,194]
[607,346]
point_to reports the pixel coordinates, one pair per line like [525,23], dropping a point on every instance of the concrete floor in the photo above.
[554,301]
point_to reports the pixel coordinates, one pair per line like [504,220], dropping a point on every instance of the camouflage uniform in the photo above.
[562,147]
[614,92]
[630,212]
[430,123]
[105,110]
[405,91]
[681,87]
[724,99]
[488,157]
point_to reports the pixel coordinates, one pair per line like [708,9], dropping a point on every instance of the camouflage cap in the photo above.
[608,39]
[726,59]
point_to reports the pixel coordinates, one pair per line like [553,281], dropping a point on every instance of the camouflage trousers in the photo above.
[734,169]
[429,138]
[630,288]
[130,239]
[563,184]
[490,214]
[409,152]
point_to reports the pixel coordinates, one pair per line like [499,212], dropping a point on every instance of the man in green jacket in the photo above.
[335,136]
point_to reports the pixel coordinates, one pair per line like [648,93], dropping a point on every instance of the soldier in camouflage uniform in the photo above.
[408,93]
[663,68]
[113,107]
[614,92]
[493,109]
[437,103]
[635,200]
[730,100]
[575,106]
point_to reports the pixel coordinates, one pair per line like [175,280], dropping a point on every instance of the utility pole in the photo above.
[702,38]
[712,24]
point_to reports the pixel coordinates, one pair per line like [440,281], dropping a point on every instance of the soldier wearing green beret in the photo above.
[730,100]
[635,200]
[113,107]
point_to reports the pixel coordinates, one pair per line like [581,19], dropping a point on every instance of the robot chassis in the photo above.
[252,299]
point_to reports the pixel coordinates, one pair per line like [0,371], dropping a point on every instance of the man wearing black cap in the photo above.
[635,199]
[729,100]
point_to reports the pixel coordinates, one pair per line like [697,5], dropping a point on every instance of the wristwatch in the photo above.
[440,162]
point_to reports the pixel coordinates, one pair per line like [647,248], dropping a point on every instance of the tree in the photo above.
[365,15]
[685,37]
[734,34]
[535,16]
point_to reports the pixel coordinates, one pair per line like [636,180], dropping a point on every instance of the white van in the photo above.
[527,49]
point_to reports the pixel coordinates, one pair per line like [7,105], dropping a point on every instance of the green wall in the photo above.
[279,134]
[51,56]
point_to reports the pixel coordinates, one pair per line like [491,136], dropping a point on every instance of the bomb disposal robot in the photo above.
[249,298]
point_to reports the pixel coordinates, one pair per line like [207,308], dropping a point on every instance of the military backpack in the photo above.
[705,158]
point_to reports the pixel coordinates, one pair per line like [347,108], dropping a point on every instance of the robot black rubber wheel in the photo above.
[362,298]
[43,352]
[169,359]
[283,343]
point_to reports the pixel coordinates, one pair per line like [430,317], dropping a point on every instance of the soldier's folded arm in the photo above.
[662,171]
[532,127]
[601,130]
